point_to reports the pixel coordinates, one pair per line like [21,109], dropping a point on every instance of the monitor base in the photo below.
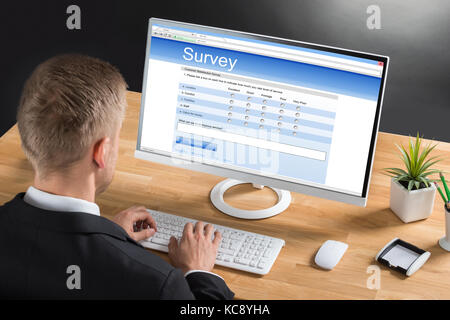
[444,244]
[284,200]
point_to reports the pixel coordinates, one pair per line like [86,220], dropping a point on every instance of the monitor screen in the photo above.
[261,106]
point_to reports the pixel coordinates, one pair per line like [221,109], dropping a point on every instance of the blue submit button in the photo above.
[196,144]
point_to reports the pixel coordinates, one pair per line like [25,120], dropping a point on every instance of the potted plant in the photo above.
[412,189]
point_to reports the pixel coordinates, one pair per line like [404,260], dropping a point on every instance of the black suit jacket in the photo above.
[37,247]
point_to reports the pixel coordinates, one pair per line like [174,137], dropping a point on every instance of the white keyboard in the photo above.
[238,249]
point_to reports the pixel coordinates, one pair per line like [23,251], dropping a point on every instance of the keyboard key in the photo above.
[268,253]
[242,261]
[234,245]
[226,251]
[163,242]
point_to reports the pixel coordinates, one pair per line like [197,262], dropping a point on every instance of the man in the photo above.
[53,241]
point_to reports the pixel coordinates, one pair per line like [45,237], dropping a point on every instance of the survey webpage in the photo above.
[282,111]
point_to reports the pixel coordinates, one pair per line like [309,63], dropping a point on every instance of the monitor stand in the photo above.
[284,200]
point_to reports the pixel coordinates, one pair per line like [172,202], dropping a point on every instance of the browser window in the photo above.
[298,114]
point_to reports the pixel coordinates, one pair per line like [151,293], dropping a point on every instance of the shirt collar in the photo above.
[53,202]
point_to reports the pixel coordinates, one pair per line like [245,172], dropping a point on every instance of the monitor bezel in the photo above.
[322,192]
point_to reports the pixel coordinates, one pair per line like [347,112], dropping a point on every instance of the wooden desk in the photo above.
[306,224]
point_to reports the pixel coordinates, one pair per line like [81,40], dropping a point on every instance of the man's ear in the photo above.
[100,152]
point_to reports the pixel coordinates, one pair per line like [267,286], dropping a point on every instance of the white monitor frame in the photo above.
[276,182]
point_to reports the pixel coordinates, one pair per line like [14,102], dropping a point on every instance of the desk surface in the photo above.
[305,225]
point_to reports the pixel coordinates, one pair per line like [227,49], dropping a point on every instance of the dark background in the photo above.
[415,34]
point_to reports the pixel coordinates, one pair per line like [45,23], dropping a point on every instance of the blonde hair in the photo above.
[67,103]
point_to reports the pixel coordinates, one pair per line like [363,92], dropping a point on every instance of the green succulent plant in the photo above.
[417,164]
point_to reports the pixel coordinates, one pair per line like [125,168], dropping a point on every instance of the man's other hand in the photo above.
[137,222]
[196,250]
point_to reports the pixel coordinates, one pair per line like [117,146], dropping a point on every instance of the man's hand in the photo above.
[196,250]
[137,222]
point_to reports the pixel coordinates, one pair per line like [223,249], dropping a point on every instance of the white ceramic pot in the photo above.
[412,205]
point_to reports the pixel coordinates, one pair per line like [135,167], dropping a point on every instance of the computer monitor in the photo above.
[286,114]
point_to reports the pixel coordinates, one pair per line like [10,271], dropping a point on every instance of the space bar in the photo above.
[160,241]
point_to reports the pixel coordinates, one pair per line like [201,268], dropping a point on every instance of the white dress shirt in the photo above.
[52,202]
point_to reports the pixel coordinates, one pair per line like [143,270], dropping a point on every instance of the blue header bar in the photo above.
[263,67]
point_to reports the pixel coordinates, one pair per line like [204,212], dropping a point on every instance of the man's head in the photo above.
[70,115]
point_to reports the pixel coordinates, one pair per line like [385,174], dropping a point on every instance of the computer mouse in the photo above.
[330,253]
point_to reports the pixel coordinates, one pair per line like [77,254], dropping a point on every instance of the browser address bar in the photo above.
[303,53]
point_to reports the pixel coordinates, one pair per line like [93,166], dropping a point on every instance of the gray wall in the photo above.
[415,34]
